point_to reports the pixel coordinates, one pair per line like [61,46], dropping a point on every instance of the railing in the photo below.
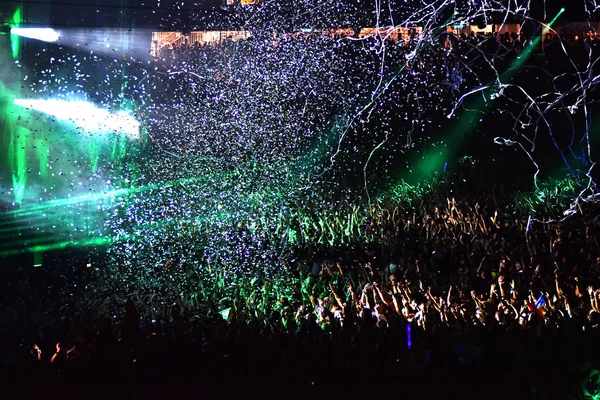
[180,40]
[159,41]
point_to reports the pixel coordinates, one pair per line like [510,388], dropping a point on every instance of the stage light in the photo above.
[85,115]
[132,43]
[44,34]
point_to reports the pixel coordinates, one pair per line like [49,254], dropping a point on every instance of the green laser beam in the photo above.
[467,120]
[59,246]
[15,40]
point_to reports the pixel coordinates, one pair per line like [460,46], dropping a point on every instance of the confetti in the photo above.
[283,133]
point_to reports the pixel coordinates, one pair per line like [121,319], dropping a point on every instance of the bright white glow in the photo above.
[44,34]
[85,115]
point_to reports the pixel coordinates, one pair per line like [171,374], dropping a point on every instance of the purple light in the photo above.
[408,336]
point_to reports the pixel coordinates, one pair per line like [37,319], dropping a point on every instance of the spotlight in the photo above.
[43,34]
[85,115]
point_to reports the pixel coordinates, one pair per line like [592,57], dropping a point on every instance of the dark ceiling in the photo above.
[210,14]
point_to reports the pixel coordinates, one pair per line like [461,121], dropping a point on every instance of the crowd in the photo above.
[439,295]
[454,288]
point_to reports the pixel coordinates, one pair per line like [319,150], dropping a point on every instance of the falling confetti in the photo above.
[284,132]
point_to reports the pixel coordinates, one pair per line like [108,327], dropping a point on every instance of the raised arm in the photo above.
[493,292]
[364,298]
[337,297]
[55,356]
[593,301]
[381,295]
[397,305]
[514,310]
[39,352]
[433,300]
[558,289]
[501,285]
[353,295]
[478,302]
